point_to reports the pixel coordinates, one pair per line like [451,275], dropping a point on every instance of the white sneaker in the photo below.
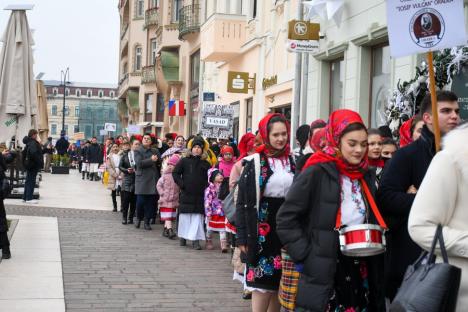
[32,202]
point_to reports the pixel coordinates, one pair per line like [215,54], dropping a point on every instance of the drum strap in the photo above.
[371,201]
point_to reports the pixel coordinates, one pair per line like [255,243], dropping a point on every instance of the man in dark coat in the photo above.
[127,167]
[33,161]
[5,157]
[62,144]
[401,180]
[147,173]
[94,157]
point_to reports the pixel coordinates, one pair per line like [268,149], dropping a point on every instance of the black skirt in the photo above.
[265,271]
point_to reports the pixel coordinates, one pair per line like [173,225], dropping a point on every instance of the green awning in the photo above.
[133,100]
[170,65]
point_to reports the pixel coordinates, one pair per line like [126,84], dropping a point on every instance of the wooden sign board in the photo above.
[303,30]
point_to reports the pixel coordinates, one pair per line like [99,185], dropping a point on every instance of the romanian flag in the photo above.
[176,108]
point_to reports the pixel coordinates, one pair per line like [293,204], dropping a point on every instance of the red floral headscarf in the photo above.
[338,122]
[246,144]
[405,133]
[318,141]
[266,148]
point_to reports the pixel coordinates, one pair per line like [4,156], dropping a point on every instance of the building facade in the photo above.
[78,96]
[193,45]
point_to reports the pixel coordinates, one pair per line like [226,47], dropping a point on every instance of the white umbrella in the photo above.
[18,102]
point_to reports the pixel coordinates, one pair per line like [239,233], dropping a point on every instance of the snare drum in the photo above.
[362,240]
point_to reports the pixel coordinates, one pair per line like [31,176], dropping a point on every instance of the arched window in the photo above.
[111,94]
[89,93]
[78,92]
[101,93]
[67,92]
[54,91]
[138,57]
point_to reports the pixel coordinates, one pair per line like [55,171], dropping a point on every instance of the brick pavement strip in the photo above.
[111,267]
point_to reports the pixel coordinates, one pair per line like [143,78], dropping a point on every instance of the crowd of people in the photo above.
[292,206]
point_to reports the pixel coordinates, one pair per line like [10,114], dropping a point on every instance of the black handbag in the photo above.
[429,286]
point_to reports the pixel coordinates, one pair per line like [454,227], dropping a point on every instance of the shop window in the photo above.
[285,110]
[380,84]
[336,84]
[248,109]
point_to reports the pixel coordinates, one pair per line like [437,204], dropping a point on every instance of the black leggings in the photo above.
[114,199]
[128,201]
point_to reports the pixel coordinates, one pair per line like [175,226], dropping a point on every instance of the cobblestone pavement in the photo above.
[111,267]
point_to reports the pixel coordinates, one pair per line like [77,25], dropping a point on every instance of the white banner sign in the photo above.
[418,26]
[133,129]
[302,45]
[110,126]
[217,121]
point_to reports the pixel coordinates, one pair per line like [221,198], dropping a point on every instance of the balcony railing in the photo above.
[122,80]
[148,74]
[151,17]
[123,31]
[189,20]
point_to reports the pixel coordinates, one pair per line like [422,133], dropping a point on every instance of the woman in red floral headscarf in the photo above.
[263,185]
[333,191]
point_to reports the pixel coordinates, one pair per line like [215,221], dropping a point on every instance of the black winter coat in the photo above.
[3,167]
[62,146]
[94,154]
[128,181]
[33,153]
[407,167]
[191,175]
[306,226]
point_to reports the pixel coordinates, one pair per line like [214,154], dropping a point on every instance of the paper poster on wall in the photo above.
[217,121]
[418,26]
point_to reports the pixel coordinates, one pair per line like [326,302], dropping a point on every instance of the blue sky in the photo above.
[80,34]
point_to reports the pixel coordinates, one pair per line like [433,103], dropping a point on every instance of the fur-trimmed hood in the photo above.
[455,143]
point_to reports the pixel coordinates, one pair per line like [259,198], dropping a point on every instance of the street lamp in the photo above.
[64,82]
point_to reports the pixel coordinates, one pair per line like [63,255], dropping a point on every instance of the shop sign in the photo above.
[417,26]
[78,136]
[268,82]
[217,121]
[238,82]
[309,46]
[208,96]
[303,30]
[460,88]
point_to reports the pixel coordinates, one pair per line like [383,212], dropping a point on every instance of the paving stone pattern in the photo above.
[111,267]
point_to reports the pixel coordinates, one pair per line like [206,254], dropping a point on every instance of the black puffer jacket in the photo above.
[32,154]
[190,174]
[407,167]
[306,226]
[128,181]
[4,160]
[94,154]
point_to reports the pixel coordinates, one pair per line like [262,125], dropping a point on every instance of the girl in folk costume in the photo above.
[263,185]
[225,165]
[332,192]
[410,130]
[177,148]
[112,165]
[190,175]
[168,197]
[214,212]
[374,152]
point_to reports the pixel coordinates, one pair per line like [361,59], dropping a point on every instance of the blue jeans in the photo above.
[29,184]
[145,207]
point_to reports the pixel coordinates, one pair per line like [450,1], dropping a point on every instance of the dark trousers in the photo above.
[114,199]
[128,202]
[145,207]
[29,184]
[4,243]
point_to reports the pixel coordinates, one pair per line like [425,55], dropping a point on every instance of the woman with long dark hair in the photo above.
[333,192]
[263,185]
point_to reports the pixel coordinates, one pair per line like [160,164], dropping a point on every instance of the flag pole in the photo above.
[432,89]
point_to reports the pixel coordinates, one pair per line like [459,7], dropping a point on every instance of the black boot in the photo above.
[130,221]
[87,175]
[153,221]
[147,226]
[165,232]
[137,224]
[83,175]
[6,254]
[124,221]
[196,245]
[171,233]
[182,242]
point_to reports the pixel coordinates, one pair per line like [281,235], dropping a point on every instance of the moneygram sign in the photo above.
[302,45]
